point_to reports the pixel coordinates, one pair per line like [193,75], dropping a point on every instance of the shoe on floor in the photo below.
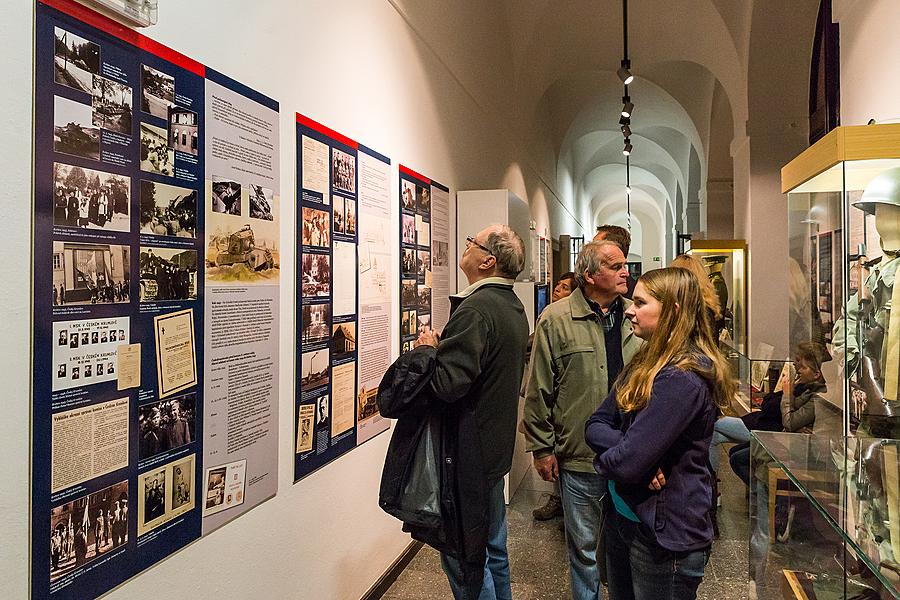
[552,508]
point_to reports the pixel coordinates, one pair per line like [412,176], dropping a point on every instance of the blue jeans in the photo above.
[727,429]
[641,569]
[496,567]
[581,494]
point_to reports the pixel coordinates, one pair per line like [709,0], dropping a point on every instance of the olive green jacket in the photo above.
[568,380]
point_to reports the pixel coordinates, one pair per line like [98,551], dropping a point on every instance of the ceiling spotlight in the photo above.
[624,72]
[628,189]
[624,121]
[628,147]
[628,107]
[626,130]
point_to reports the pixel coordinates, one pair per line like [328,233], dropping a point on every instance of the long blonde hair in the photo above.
[710,297]
[683,338]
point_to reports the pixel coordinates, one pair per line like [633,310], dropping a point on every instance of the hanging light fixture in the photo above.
[628,147]
[628,190]
[627,106]
[624,72]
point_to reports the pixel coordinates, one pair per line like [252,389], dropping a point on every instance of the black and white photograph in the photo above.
[406,347]
[168,210]
[315,276]
[424,299]
[226,195]
[405,318]
[314,323]
[87,528]
[338,208]
[88,371]
[63,337]
[440,254]
[343,340]
[168,274]
[316,228]
[411,324]
[215,487]
[90,199]
[313,369]
[75,59]
[408,294]
[408,262]
[91,273]
[182,483]
[237,252]
[85,336]
[349,216]
[73,129]
[343,171]
[423,263]
[111,103]
[156,156]
[424,200]
[322,412]
[408,229]
[61,371]
[422,322]
[154,485]
[166,425]
[183,130]
[73,341]
[408,194]
[261,201]
[76,373]
[95,337]
[98,368]
[157,92]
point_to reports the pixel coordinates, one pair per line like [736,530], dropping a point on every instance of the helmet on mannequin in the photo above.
[884,189]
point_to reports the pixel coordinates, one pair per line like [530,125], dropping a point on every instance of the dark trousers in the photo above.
[640,569]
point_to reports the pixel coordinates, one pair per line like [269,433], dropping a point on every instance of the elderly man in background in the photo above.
[581,343]
[622,239]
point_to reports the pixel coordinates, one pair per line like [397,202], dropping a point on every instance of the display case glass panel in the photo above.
[726,263]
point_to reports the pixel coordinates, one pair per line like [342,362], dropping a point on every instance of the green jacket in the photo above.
[568,380]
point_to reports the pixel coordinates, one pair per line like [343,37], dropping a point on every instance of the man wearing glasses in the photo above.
[581,343]
[479,363]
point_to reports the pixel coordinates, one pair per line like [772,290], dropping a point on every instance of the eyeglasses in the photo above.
[470,241]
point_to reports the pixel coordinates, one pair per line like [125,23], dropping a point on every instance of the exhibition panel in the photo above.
[155,348]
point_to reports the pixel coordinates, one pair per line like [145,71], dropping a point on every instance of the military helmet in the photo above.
[884,189]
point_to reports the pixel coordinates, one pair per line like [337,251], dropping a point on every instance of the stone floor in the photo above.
[538,562]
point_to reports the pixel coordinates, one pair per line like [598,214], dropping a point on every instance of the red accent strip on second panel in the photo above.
[418,176]
[324,130]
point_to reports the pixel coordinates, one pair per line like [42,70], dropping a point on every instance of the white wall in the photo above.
[358,67]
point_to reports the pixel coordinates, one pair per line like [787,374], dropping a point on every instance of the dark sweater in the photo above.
[480,360]
[672,432]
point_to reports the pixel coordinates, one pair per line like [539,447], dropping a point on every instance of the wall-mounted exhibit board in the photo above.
[343,294]
[424,256]
[156,287]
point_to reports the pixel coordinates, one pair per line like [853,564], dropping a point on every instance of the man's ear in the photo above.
[484,266]
[588,278]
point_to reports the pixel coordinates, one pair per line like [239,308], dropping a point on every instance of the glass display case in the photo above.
[726,262]
[824,517]
[843,197]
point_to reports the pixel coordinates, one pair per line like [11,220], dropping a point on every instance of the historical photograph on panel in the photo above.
[314,323]
[408,262]
[90,199]
[440,254]
[408,195]
[73,129]
[423,231]
[313,369]
[240,253]
[349,216]
[366,405]
[168,274]
[183,130]
[87,528]
[226,195]
[168,210]
[423,321]
[99,350]
[111,103]
[408,229]
[405,318]
[424,200]
[262,201]
[343,340]
[322,413]
[411,324]
[151,499]
[338,209]
[157,92]
[90,273]
[343,170]
[76,60]
[315,227]
[423,263]
[156,156]
[305,415]
[315,276]
[182,488]
[166,424]
[408,295]
[424,299]
[224,487]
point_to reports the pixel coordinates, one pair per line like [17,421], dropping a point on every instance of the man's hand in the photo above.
[658,482]
[428,337]
[547,467]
